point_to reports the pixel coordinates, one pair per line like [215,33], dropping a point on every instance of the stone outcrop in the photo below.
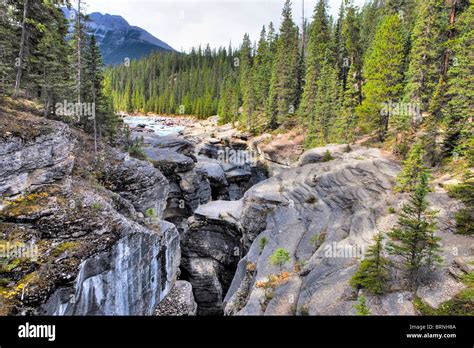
[130,279]
[321,154]
[30,162]
[80,221]
[136,181]
[189,185]
[179,302]
[325,215]
[211,249]
[309,210]
[278,152]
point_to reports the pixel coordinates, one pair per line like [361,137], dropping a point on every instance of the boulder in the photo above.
[169,161]
[179,302]
[170,142]
[320,154]
[195,187]
[214,171]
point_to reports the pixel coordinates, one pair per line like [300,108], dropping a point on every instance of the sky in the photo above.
[187,23]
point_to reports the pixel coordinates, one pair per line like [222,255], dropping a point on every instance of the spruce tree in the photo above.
[317,51]
[284,84]
[24,44]
[327,126]
[8,38]
[413,168]
[373,274]
[428,37]
[352,88]
[383,72]
[247,83]
[458,100]
[262,71]
[105,121]
[340,47]
[371,15]
[413,239]
[53,60]
[361,306]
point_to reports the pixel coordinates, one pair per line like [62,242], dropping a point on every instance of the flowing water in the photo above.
[160,125]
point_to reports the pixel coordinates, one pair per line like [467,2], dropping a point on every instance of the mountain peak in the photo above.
[119,40]
[111,21]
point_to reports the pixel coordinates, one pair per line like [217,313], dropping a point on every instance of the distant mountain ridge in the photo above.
[119,40]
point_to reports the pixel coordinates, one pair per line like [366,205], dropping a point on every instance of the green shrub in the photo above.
[318,239]
[262,243]
[327,156]
[150,213]
[280,257]
[361,306]
[97,206]
[137,152]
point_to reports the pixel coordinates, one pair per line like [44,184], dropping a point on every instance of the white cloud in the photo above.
[187,23]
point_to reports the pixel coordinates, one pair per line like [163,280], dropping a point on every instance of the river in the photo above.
[158,124]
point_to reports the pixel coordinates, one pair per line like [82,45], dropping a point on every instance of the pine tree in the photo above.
[317,51]
[53,59]
[383,72]
[373,272]
[361,306]
[8,38]
[413,169]
[284,84]
[262,71]
[428,38]
[280,257]
[352,87]
[325,127]
[413,240]
[247,82]
[22,55]
[458,100]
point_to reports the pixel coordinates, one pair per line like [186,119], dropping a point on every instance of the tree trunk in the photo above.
[21,55]
[447,52]
[45,94]
[79,45]
[95,122]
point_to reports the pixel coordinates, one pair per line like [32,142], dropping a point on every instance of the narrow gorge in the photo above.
[188,224]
